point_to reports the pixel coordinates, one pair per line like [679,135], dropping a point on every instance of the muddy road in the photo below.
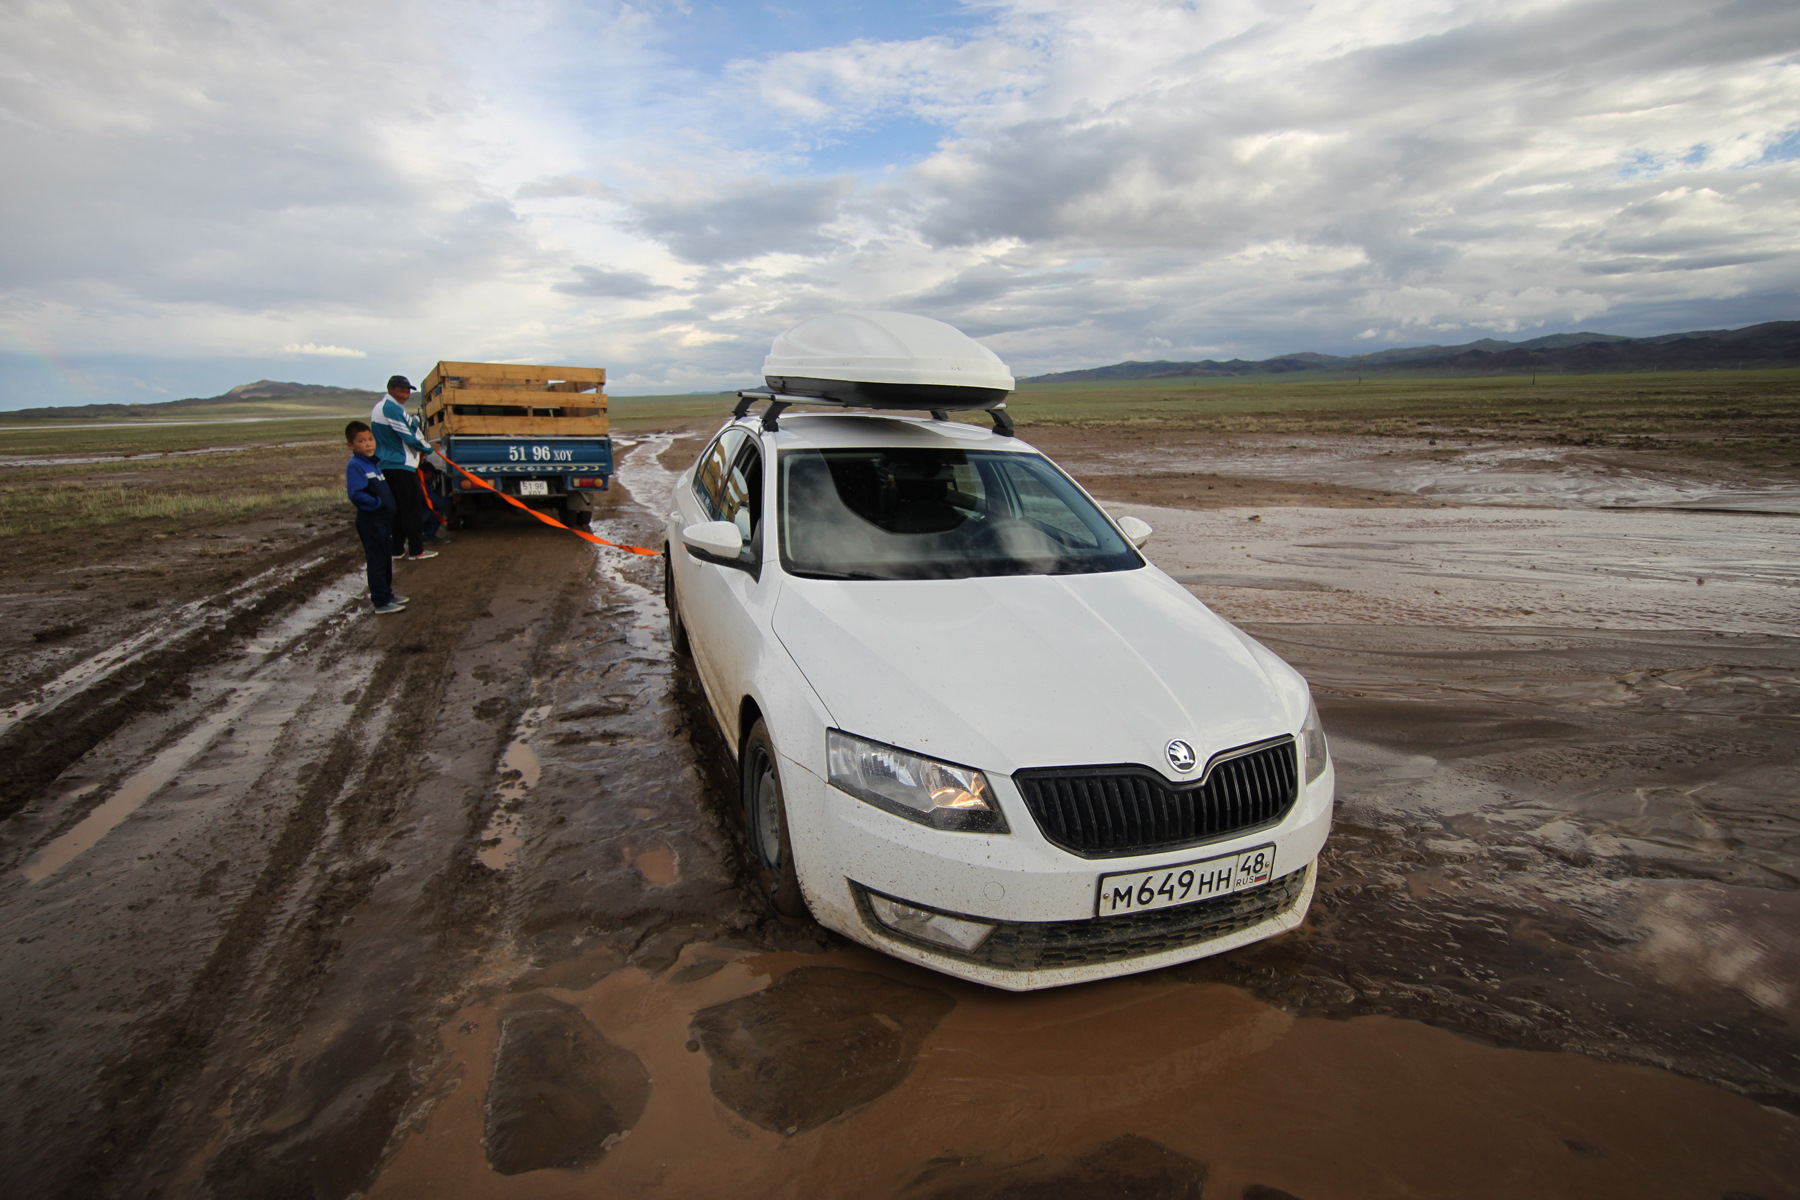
[297,902]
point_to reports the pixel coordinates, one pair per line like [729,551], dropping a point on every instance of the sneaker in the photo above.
[421,554]
[402,601]
[399,554]
[392,606]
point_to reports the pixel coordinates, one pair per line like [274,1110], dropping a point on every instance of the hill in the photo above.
[1773,344]
[264,396]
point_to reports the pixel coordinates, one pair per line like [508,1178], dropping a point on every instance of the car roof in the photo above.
[823,431]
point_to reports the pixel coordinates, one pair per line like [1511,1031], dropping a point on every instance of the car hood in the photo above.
[1035,670]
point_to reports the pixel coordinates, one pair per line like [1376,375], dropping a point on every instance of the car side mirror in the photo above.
[1135,531]
[715,541]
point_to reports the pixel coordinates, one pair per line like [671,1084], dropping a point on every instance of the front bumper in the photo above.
[1040,897]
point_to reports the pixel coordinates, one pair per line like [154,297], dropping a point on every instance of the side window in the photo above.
[713,472]
[740,498]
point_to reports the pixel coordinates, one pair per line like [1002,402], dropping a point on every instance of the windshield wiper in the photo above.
[841,575]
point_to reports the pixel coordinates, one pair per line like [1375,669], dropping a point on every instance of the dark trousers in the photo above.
[377,534]
[436,514]
[408,521]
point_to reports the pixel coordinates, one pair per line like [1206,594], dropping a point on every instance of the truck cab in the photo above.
[537,433]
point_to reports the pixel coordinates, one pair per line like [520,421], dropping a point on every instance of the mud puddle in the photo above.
[1546,569]
[1469,472]
[519,770]
[847,1074]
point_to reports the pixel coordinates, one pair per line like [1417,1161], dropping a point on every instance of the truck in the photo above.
[537,433]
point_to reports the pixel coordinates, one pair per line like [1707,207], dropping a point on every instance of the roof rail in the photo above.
[780,402]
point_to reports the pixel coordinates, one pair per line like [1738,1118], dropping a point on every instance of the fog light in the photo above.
[929,926]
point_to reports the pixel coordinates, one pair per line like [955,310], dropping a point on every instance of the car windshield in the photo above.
[914,513]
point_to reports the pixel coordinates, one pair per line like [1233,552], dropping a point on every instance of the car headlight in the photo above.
[909,785]
[1312,742]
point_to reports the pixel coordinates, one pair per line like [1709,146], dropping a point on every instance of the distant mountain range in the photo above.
[1774,344]
[354,399]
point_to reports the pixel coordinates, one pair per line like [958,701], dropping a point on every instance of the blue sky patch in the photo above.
[710,34]
[1786,149]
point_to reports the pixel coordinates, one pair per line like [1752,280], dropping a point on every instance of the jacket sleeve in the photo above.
[356,482]
[394,417]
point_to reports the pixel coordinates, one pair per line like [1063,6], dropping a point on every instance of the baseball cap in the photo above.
[395,381]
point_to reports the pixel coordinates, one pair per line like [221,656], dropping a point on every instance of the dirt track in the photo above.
[447,904]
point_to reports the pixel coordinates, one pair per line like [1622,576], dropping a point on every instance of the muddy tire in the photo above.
[678,637]
[766,828]
[580,520]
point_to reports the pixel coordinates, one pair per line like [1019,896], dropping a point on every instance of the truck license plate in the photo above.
[533,487]
[1140,891]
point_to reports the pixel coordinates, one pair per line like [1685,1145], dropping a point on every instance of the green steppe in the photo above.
[289,463]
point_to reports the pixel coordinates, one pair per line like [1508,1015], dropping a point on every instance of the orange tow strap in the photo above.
[550,521]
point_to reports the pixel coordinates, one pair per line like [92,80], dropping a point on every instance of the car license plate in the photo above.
[533,487]
[1140,891]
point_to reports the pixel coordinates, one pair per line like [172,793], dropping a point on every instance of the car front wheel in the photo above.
[678,637]
[771,850]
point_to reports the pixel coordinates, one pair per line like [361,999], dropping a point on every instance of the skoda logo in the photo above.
[1181,755]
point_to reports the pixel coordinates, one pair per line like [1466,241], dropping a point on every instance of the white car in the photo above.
[976,729]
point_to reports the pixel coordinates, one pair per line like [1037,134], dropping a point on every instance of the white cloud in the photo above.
[314,348]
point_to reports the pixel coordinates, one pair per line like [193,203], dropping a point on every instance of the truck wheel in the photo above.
[580,520]
[678,637]
[771,849]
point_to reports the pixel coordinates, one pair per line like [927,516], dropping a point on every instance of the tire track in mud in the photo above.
[276,1086]
[135,1093]
[319,820]
[394,918]
[45,742]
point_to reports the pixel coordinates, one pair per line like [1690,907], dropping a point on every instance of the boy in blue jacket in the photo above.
[374,502]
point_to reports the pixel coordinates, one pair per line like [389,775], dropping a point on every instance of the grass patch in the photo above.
[55,438]
[633,414]
[46,507]
[174,491]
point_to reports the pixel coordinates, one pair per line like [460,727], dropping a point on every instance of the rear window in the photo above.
[912,513]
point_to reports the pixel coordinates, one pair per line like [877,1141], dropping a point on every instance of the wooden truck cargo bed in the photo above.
[471,399]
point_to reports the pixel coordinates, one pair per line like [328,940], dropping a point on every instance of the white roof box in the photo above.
[886,360]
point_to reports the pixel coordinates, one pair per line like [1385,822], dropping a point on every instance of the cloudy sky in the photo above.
[199,194]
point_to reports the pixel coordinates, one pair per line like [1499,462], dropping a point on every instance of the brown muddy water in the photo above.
[449,904]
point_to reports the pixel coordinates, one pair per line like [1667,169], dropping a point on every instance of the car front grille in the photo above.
[1046,945]
[1108,812]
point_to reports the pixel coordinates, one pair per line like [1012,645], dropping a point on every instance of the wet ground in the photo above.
[301,903]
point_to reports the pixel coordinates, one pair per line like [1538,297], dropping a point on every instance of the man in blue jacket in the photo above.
[398,446]
[374,501]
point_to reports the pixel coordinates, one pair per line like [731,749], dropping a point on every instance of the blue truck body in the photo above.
[554,473]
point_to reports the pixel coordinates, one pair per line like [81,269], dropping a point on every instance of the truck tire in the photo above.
[580,520]
[766,828]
